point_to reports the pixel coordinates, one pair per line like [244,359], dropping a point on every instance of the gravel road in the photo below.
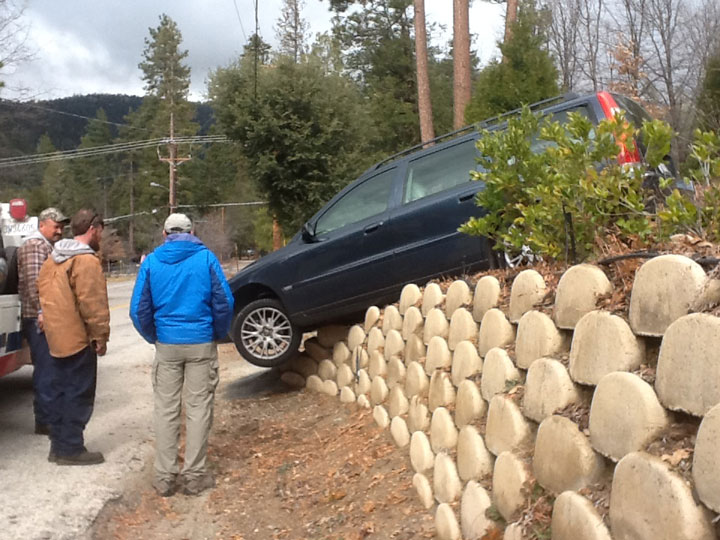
[39,500]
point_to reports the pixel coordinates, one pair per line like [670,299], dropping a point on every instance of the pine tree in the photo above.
[291,29]
[709,101]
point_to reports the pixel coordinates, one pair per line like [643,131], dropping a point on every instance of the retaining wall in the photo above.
[559,421]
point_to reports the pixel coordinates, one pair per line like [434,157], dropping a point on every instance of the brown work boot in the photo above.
[198,484]
[83,458]
[165,486]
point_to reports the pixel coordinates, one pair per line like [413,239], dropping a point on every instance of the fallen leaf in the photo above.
[677,456]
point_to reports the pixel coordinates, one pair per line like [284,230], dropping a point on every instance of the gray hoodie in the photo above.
[68,248]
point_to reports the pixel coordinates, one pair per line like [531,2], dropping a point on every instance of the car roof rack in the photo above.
[473,127]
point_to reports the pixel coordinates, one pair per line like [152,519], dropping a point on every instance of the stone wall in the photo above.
[544,419]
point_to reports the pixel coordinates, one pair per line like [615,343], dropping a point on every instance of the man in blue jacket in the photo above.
[183,305]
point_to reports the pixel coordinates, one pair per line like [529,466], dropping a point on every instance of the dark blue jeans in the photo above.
[73,397]
[42,370]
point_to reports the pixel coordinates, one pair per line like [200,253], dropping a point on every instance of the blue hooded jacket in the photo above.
[181,296]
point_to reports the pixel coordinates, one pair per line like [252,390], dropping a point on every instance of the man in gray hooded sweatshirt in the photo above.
[30,257]
[76,317]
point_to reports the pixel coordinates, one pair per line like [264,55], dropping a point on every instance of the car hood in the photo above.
[250,272]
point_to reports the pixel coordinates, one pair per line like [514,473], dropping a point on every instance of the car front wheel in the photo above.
[264,335]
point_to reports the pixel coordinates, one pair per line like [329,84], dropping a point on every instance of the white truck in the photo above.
[15,226]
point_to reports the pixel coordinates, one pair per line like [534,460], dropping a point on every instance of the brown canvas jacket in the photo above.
[73,296]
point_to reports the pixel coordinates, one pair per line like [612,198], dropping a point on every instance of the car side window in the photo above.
[537,145]
[367,199]
[440,170]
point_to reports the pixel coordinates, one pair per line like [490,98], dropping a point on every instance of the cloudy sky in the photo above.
[94,46]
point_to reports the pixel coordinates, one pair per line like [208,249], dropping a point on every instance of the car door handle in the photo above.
[465,198]
[374,227]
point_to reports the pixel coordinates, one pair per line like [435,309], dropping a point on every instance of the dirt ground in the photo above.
[288,465]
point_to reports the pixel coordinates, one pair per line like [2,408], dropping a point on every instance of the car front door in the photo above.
[438,197]
[347,257]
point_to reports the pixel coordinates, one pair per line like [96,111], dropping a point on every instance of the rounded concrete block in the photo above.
[466,362]
[316,351]
[446,482]
[356,337]
[391,320]
[304,365]
[424,490]
[499,372]
[625,415]
[474,503]
[563,456]
[706,459]
[375,340]
[603,343]
[397,403]
[663,291]
[363,383]
[416,380]
[514,531]
[329,387]
[381,417]
[528,290]
[418,415]
[395,372]
[410,296]
[469,405]
[457,296]
[359,359]
[422,458]
[650,501]
[474,461]
[363,401]
[443,433]
[341,353]
[378,391]
[435,325]
[441,392]
[688,371]
[413,323]
[487,296]
[293,379]
[314,383]
[345,376]
[372,316]
[347,395]
[394,344]
[577,293]
[415,350]
[327,370]
[575,517]
[446,523]
[537,337]
[438,355]
[432,297]
[377,365]
[548,388]
[495,331]
[462,328]
[399,432]
[329,335]
[506,429]
[508,489]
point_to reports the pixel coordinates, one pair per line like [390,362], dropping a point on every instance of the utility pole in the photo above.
[173,161]
[131,225]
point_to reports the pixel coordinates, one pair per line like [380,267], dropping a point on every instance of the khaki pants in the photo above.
[195,367]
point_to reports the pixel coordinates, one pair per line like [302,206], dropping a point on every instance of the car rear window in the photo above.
[634,113]
[441,170]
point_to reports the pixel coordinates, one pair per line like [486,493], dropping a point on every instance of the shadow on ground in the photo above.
[260,384]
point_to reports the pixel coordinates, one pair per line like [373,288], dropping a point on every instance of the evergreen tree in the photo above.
[709,101]
[526,74]
[291,29]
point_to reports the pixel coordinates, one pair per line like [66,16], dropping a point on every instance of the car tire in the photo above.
[264,335]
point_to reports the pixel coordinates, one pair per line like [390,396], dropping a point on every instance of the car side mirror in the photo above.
[307,233]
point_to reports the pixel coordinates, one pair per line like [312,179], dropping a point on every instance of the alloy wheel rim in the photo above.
[266,333]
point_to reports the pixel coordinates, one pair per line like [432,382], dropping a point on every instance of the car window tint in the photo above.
[537,145]
[440,170]
[365,200]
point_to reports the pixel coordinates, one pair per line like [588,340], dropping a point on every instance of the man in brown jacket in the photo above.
[76,317]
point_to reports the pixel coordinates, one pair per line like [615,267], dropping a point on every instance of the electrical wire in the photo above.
[242,28]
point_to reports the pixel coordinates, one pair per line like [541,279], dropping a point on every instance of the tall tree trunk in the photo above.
[423,80]
[277,235]
[461,61]
[510,18]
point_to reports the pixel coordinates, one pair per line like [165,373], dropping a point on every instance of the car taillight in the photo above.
[610,107]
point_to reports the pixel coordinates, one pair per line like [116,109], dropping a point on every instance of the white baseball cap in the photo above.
[178,223]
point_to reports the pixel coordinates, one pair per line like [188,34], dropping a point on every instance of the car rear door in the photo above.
[350,256]
[438,197]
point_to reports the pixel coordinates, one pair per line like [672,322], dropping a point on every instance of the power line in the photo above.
[242,28]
